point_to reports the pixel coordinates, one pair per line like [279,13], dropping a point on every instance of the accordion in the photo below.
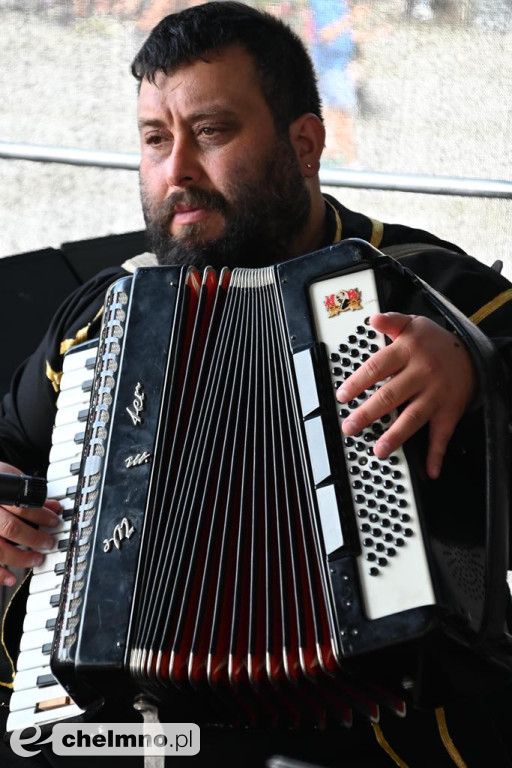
[231,553]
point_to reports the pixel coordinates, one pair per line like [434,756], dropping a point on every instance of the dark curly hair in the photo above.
[286,74]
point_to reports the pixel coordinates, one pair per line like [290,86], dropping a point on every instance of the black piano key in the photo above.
[90,363]
[79,438]
[82,415]
[55,600]
[59,569]
[87,386]
[63,544]
[46,649]
[51,624]
[75,468]
[43,681]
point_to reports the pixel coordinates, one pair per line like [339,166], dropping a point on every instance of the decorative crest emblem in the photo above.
[343,301]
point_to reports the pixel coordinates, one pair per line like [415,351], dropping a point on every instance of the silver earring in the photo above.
[308,165]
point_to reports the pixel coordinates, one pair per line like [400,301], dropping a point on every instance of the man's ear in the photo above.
[307,136]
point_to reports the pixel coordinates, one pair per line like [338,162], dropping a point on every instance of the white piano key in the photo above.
[50,561]
[74,414]
[63,526]
[68,502]
[37,619]
[29,677]
[61,469]
[73,397]
[58,536]
[27,717]
[32,697]
[31,659]
[64,450]
[36,639]
[75,378]
[41,601]
[62,488]
[78,360]
[68,433]
[45,582]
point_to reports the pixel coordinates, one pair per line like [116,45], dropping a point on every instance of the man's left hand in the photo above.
[430,370]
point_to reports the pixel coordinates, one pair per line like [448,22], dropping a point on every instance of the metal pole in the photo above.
[329,177]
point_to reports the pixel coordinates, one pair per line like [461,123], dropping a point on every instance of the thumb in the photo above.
[390,323]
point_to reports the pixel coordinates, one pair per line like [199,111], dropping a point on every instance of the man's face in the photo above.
[218,185]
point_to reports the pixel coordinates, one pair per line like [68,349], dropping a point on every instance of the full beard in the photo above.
[261,218]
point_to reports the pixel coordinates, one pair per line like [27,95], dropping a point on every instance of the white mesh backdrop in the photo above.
[433,97]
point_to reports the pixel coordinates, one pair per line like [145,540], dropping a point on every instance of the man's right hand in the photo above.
[17,527]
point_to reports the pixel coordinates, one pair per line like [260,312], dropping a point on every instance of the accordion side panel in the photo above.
[374,600]
[393,571]
[87,496]
[128,456]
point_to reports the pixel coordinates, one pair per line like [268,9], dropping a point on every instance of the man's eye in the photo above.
[154,140]
[208,131]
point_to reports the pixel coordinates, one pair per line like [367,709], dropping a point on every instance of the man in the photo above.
[231,140]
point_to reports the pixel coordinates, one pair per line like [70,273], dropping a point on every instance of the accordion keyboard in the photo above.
[37,697]
[393,567]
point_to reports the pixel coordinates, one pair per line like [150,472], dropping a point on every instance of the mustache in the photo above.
[194,197]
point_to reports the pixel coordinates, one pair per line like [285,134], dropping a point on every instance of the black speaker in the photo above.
[33,285]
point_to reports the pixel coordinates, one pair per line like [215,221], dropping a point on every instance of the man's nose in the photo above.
[182,165]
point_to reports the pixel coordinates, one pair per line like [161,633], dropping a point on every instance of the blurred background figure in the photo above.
[333,49]
[422,9]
